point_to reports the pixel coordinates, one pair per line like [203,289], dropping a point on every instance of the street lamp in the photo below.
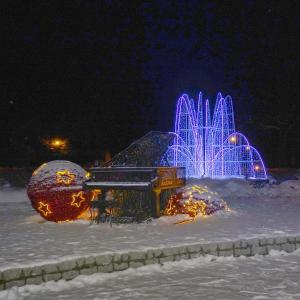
[57,144]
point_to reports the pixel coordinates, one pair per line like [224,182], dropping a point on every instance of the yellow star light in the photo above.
[64,177]
[44,209]
[77,199]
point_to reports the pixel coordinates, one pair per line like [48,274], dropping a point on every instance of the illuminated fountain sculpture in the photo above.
[211,147]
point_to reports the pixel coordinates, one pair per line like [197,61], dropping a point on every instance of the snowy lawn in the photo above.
[25,239]
[275,276]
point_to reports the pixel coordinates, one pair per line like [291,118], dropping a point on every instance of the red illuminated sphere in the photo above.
[55,191]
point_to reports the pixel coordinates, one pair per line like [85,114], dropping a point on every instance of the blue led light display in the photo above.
[211,147]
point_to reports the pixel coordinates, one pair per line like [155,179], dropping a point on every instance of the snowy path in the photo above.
[256,212]
[271,277]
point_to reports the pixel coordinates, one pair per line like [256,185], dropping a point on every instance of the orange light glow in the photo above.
[64,177]
[256,167]
[233,139]
[77,199]
[85,215]
[189,203]
[95,194]
[190,207]
[44,209]
[57,143]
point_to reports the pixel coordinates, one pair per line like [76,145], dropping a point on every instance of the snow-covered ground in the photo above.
[273,277]
[25,239]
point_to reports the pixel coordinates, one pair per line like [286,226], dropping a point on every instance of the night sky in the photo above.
[103,73]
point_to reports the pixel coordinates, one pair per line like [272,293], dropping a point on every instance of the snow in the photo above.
[10,195]
[45,177]
[273,277]
[27,239]
[47,171]
[117,184]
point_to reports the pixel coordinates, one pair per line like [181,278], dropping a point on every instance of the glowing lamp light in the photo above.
[256,168]
[233,139]
[57,143]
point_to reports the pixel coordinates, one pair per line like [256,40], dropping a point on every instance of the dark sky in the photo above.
[103,73]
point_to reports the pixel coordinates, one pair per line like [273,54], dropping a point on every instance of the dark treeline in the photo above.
[103,73]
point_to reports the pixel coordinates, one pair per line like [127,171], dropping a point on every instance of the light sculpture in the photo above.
[211,147]
[55,191]
[195,201]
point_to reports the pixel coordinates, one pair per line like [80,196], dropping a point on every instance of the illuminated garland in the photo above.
[189,202]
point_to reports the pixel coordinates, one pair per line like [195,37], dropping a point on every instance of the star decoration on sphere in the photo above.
[77,199]
[64,177]
[44,208]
